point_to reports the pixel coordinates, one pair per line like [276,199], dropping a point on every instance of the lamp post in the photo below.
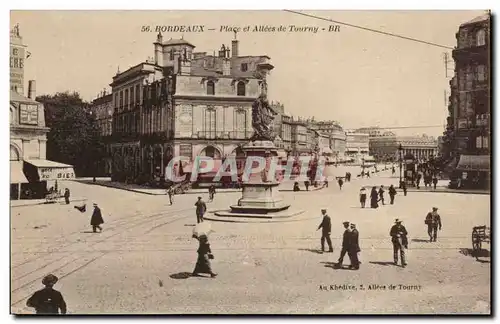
[400,150]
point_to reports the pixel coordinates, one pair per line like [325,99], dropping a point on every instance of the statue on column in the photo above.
[262,119]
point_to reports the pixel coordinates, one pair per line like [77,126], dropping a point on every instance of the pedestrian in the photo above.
[326,226]
[399,238]
[296,186]
[434,181]
[341,182]
[362,174]
[66,196]
[306,183]
[374,198]
[392,193]
[354,248]
[203,264]
[381,194]
[368,173]
[96,220]
[201,208]
[326,182]
[170,193]
[403,186]
[362,197]
[47,300]
[56,186]
[393,170]
[346,240]
[211,193]
[433,221]
[419,176]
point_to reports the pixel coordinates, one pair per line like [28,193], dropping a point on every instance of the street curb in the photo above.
[128,189]
[44,203]
[452,191]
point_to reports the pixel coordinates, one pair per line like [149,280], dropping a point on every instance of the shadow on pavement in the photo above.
[478,254]
[420,240]
[88,232]
[383,263]
[181,275]
[312,250]
[336,266]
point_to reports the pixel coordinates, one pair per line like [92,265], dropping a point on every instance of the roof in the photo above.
[481,18]
[177,42]
[14,96]
[47,164]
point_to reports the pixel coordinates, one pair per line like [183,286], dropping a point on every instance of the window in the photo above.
[479,142]
[240,123]
[126,99]
[485,142]
[244,67]
[121,99]
[186,150]
[240,89]
[481,38]
[210,123]
[210,88]
[469,78]
[480,73]
[138,93]
[116,100]
[172,54]
[132,96]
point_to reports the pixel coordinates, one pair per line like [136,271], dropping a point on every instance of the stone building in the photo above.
[101,109]
[467,138]
[183,103]
[300,138]
[422,148]
[286,133]
[357,145]
[30,171]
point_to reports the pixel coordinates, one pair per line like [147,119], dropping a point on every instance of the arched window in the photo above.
[241,88]
[481,38]
[211,151]
[210,88]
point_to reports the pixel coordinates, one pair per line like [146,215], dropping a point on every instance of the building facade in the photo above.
[423,148]
[300,138]
[183,103]
[383,145]
[102,110]
[467,137]
[357,144]
[286,133]
[30,171]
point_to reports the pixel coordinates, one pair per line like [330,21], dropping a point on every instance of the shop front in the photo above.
[472,172]
[42,174]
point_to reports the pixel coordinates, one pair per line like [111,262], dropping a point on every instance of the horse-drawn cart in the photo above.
[480,234]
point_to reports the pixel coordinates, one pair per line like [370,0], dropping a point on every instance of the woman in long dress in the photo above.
[204,255]
[374,198]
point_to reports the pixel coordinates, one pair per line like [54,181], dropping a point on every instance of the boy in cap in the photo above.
[96,220]
[47,300]
[433,221]
[399,241]
[326,225]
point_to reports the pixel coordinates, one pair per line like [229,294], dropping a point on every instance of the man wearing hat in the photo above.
[433,221]
[96,219]
[354,247]
[345,243]
[47,300]
[399,241]
[201,208]
[326,225]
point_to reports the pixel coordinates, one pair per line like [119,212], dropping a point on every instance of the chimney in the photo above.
[31,89]
[158,59]
[234,48]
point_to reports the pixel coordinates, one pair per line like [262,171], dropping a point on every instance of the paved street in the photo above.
[139,263]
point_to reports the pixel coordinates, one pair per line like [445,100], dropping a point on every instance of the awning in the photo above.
[50,170]
[16,172]
[474,163]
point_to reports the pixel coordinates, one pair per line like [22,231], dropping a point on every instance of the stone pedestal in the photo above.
[260,195]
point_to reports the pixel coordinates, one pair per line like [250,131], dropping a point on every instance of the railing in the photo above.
[224,134]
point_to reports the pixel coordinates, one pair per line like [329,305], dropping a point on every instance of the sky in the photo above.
[356,77]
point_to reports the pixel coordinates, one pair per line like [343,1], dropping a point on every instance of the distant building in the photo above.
[102,110]
[422,148]
[300,138]
[357,144]
[286,133]
[382,143]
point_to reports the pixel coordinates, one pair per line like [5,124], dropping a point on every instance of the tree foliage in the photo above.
[73,136]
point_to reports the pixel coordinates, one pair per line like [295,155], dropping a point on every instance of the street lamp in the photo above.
[400,150]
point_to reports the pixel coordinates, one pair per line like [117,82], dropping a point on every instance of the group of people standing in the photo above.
[377,196]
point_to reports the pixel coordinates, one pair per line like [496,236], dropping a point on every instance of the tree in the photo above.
[73,136]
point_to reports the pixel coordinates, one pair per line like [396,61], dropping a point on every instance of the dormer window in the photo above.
[244,67]
[241,88]
[210,88]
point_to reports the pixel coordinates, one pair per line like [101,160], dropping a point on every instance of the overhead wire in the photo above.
[369,29]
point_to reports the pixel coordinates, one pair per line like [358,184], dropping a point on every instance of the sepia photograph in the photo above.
[250,162]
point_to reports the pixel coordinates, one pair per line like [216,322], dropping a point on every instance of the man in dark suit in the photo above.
[201,208]
[326,226]
[433,221]
[345,243]
[47,300]
[399,240]
[354,247]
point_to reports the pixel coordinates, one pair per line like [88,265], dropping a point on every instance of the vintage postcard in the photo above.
[250,162]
